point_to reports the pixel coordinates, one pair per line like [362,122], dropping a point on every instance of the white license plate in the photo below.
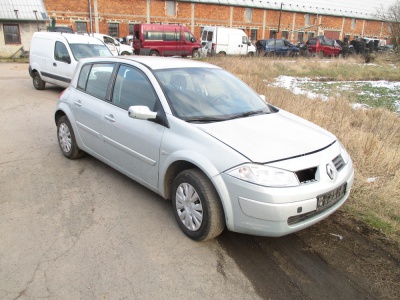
[328,199]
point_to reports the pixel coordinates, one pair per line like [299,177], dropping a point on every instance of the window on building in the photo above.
[285,34]
[171,8]
[11,34]
[248,14]
[113,29]
[131,29]
[310,35]
[272,34]
[253,34]
[300,37]
[307,19]
[353,23]
[81,27]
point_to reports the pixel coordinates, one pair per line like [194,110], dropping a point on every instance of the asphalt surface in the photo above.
[77,229]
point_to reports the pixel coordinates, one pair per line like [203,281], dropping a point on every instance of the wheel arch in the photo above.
[195,161]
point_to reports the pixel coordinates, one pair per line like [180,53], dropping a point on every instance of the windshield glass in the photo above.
[89,50]
[206,94]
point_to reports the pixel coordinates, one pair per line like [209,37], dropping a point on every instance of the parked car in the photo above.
[64,29]
[165,40]
[279,47]
[323,46]
[53,56]
[226,41]
[115,46]
[196,134]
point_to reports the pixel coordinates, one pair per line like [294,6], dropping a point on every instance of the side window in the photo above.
[189,37]
[133,88]
[210,36]
[98,80]
[61,52]
[108,40]
[83,77]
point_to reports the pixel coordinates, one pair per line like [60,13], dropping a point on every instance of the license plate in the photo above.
[330,198]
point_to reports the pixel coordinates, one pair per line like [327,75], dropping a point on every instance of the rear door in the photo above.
[88,107]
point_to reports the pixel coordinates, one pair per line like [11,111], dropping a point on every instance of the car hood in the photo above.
[270,137]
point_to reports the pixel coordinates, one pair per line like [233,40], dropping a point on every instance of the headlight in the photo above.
[344,153]
[264,175]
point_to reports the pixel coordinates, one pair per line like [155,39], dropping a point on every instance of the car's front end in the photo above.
[280,205]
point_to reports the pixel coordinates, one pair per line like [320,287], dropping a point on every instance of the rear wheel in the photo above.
[38,83]
[66,139]
[125,53]
[154,53]
[197,207]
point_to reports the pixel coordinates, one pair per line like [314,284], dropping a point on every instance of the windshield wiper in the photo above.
[204,119]
[247,114]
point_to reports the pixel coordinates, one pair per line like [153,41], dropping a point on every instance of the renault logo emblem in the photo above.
[330,171]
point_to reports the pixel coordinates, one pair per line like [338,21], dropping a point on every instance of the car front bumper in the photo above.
[266,211]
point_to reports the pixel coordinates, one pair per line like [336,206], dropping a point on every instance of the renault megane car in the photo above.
[194,133]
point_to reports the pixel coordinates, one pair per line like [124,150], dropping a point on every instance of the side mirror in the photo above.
[192,39]
[141,113]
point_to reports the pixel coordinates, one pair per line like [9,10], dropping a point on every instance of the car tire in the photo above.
[195,54]
[125,53]
[197,207]
[66,139]
[154,53]
[38,83]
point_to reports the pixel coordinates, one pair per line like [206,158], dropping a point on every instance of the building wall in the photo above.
[26,31]
[125,12]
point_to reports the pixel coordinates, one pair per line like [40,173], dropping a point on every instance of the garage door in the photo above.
[334,35]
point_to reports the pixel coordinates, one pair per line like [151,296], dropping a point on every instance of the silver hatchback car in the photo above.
[194,133]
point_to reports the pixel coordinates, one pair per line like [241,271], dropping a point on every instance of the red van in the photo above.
[164,40]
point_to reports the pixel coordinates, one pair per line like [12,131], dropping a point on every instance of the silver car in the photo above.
[194,133]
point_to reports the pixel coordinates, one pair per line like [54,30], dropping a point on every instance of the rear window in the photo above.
[312,42]
[95,79]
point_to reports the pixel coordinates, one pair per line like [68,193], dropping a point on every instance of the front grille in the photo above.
[338,162]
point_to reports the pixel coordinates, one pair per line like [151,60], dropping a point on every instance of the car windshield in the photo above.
[209,95]
[89,50]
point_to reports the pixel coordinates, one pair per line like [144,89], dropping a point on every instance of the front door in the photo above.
[132,144]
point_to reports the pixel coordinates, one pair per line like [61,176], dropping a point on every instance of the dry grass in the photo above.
[372,137]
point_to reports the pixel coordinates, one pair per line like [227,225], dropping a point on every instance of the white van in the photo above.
[53,56]
[226,41]
[115,47]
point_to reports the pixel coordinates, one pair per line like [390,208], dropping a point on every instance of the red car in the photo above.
[323,46]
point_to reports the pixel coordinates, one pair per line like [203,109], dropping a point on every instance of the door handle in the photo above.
[78,102]
[109,118]
[54,64]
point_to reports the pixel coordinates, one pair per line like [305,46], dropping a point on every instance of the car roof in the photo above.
[72,38]
[154,62]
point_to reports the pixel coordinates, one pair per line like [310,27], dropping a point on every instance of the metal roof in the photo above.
[23,10]
[276,5]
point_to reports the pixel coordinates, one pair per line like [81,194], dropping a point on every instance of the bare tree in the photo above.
[392,15]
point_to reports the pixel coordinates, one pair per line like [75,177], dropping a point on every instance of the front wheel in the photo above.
[66,139]
[197,207]
[38,83]
[195,54]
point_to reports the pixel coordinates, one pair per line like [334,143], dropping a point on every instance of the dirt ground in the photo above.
[81,230]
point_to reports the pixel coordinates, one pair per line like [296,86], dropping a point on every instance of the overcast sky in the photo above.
[361,6]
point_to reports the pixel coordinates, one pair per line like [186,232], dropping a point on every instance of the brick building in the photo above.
[259,19]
